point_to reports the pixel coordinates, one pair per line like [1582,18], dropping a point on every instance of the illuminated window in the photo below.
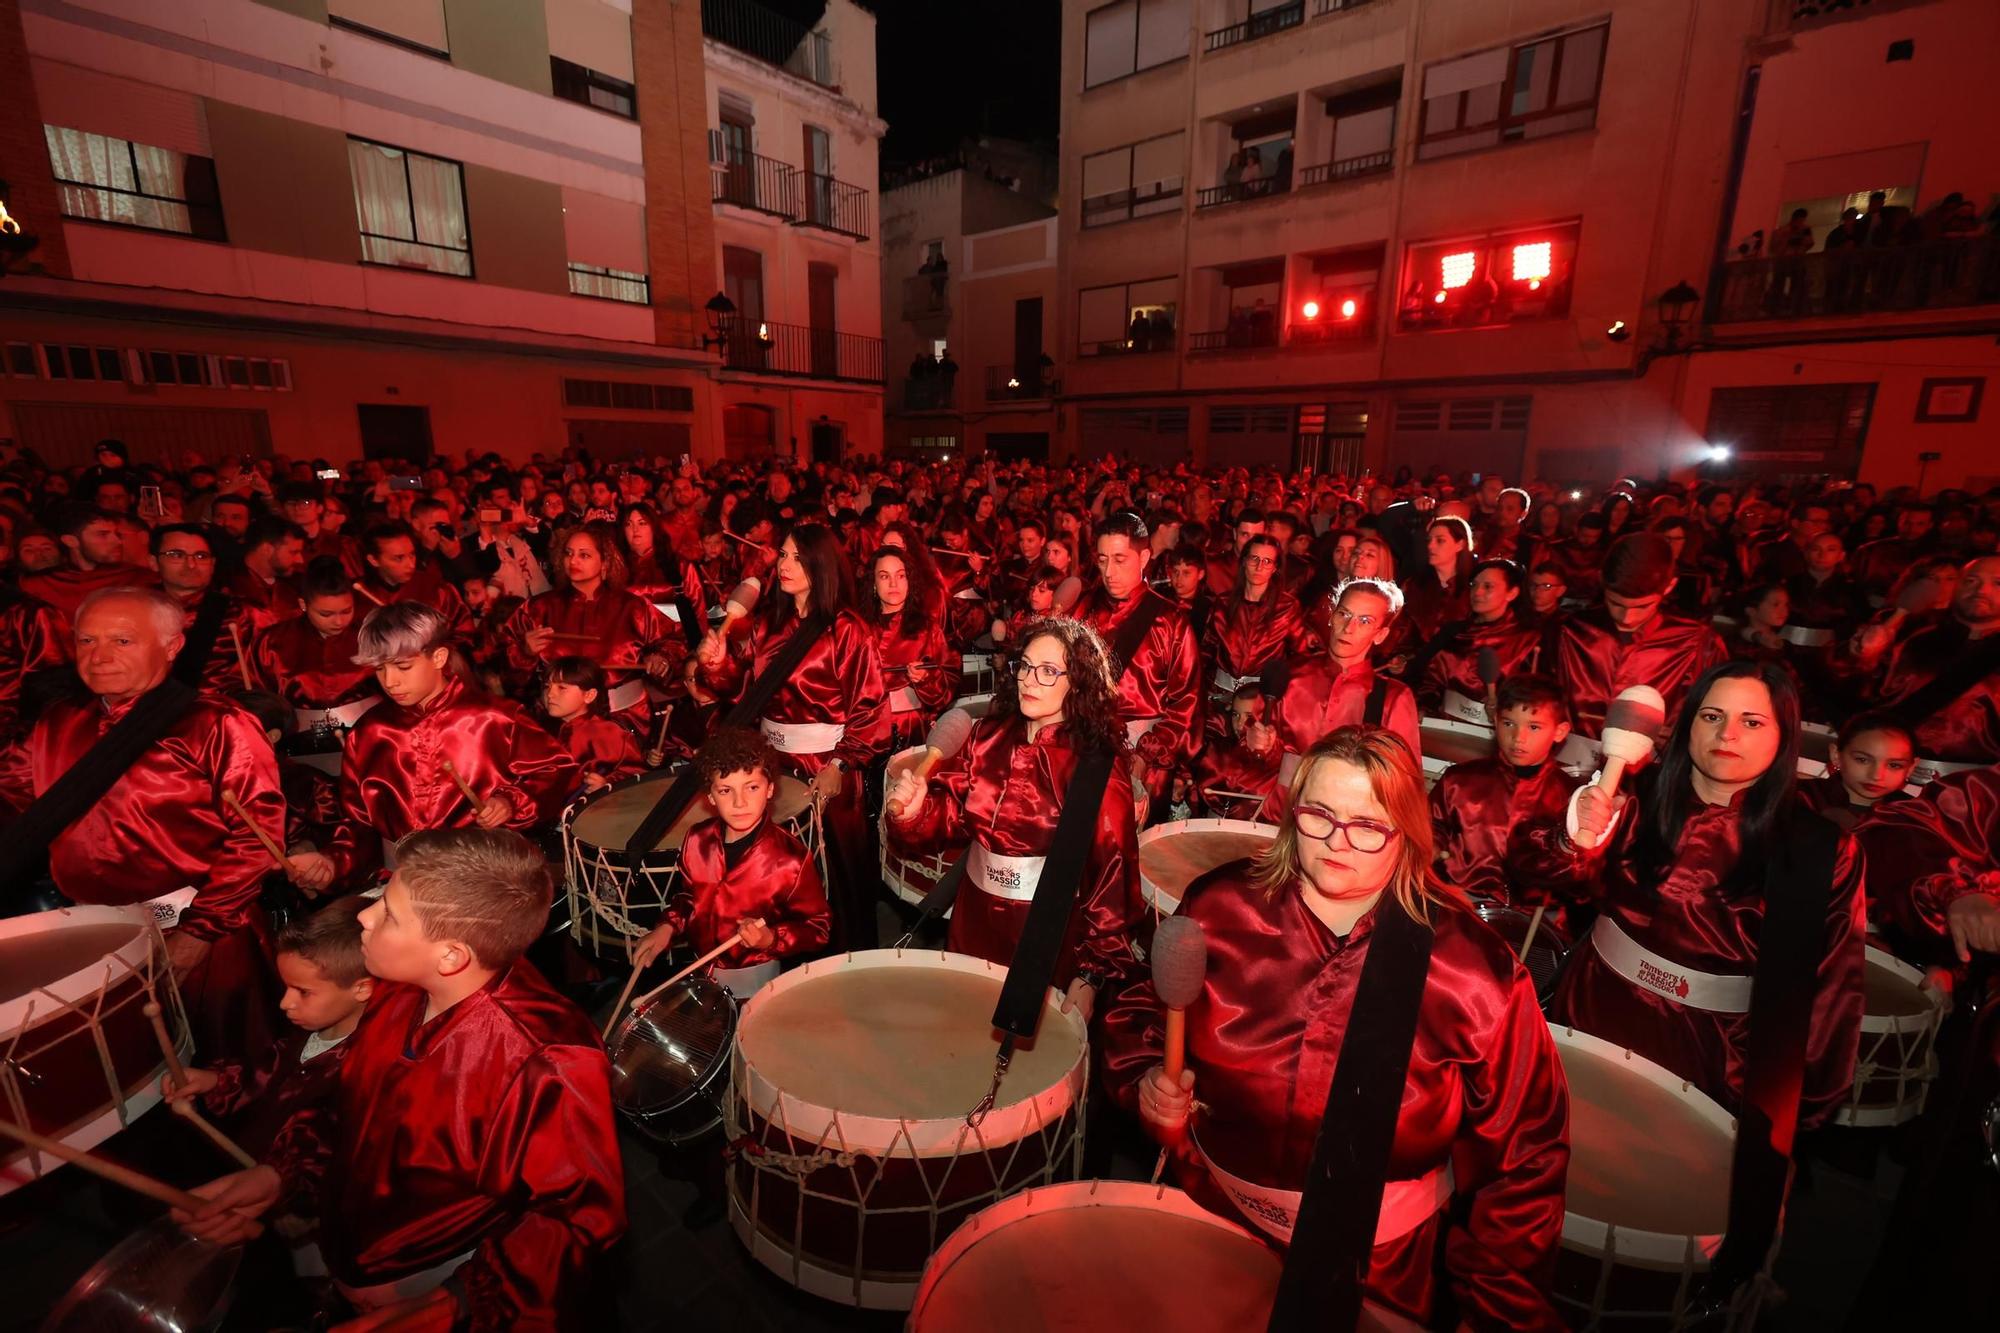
[1481,282]
[134,184]
[1510,94]
[1531,261]
[1457,269]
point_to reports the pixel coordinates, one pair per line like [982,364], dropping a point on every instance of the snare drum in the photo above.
[1899,1024]
[1447,741]
[1105,1254]
[611,902]
[1547,952]
[669,1060]
[1649,1165]
[78,1058]
[912,877]
[850,1086]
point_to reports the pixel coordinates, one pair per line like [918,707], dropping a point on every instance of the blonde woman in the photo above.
[1475,1174]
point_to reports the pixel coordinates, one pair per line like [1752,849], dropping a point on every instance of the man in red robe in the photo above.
[394,574]
[93,543]
[34,636]
[1339,689]
[308,659]
[274,554]
[184,559]
[1963,729]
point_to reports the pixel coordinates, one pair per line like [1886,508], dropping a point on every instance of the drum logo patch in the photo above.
[1663,981]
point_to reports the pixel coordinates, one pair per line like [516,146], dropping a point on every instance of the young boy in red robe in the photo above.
[573,696]
[1476,806]
[1234,778]
[467,1168]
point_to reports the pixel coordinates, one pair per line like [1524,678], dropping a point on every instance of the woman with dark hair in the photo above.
[573,698]
[1618,512]
[1476,1169]
[657,573]
[591,612]
[927,582]
[1002,794]
[830,716]
[1258,621]
[1435,595]
[1445,671]
[1678,872]
[919,668]
[963,574]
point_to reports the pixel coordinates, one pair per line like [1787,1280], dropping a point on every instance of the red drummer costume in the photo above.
[34,636]
[915,699]
[1484,1113]
[768,874]
[1159,691]
[614,627]
[1450,661]
[1243,635]
[1336,689]
[1475,809]
[602,747]
[394,574]
[314,671]
[1926,854]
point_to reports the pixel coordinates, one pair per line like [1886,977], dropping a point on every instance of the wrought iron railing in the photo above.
[1242,335]
[927,296]
[834,205]
[1261,24]
[1347,169]
[1240,191]
[929,394]
[751,180]
[801,350]
[1859,281]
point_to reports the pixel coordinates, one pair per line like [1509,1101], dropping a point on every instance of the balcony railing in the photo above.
[1328,331]
[1005,384]
[798,349]
[1261,24]
[834,205]
[751,180]
[1352,168]
[927,296]
[930,394]
[1264,187]
[1337,6]
[1855,282]
[771,38]
[1247,331]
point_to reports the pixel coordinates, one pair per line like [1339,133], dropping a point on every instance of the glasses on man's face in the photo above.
[1546,587]
[190,557]
[1363,835]
[1259,561]
[1347,617]
[1044,673]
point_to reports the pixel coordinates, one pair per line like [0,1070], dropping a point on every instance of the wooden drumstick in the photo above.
[693,967]
[623,996]
[136,1181]
[755,546]
[363,590]
[184,1106]
[235,803]
[242,660]
[656,753]
[464,787]
[1534,927]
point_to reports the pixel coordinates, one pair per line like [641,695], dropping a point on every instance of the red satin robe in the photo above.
[1593,661]
[658,581]
[268,603]
[913,706]
[1698,916]
[839,681]
[393,781]
[1485,1090]
[967,613]
[1966,730]
[306,669]
[1162,680]
[602,746]
[1476,808]
[254,1098]
[224,670]
[426,586]
[1006,792]
[1926,852]
[33,637]
[1428,606]
[1224,765]
[1450,659]
[618,629]
[776,879]
[1244,635]
[65,587]
[1320,697]
[486,1129]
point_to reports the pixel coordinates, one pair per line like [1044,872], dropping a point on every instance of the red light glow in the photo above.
[1348,308]
[1439,298]
[1457,269]
[1531,262]
[1310,310]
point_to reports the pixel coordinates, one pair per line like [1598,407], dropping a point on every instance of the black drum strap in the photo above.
[681,791]
[1033,967]
[1327,1262]
[1973,663]
[1125,643]
[1378,699]
[1798,889]
[199,645]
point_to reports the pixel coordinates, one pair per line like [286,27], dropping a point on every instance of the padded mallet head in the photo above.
[1180,961]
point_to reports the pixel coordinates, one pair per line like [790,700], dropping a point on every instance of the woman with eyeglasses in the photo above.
[1475,1175]
[1001,795]
[1258,621]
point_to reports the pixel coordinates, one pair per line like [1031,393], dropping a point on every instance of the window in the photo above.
[1136,181]
[1482,281]
[68,362]
[134,185]
[1132,35]
[1129,317]
[20,361]
[1539,88]
[609,284]
[628,396]
[574,83]
[416,24]
[1334,297]
[411,208]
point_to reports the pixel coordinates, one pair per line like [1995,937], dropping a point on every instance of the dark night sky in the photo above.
[950,68]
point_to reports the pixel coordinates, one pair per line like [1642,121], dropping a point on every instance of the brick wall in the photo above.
[24,152]
[673,128]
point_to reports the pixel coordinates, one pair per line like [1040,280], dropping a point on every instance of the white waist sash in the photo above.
[1717,992]
[1229,684]
[1406,1204]
[1930,770]
[167,908]
[403,1288]
[670,609]
[1805,636]
[1465,709]
[801,737]
[904,700]
[743,982]
[969,595]
[621,697]
[1011,877]
[305,719]
[1134,730]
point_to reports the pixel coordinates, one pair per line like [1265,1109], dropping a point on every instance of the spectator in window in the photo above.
[1795,237]
[1253,168]
[1751,246]
[1232,174]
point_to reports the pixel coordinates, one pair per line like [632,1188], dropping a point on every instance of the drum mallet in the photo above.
[656,753]
[623,996]
[696,966]
[277,853]
[1180,970]
[1631,723]
[947,737]
[184,1106]
[464,787]
[362,588]
[242,660]
[136,1181]
[1489,676]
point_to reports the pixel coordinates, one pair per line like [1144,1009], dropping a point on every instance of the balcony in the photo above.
[772,38]
[756,182]
[803,351]
[1261,24]
[834,205]
[1353,168]
[1321,7]
[1264,187]
[1248,331]
[930,393]
[1014,384]
[927,296]
[1854,283]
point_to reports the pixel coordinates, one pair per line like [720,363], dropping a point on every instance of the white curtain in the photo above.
[424,204]
[381,197]
[81,159]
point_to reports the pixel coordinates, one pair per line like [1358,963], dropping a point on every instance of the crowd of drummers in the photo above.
[1723,751]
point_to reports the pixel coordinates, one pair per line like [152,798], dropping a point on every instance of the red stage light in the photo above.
[1439,298]
[1532,261]
[1348,308]
[1310,310]
[1457,269]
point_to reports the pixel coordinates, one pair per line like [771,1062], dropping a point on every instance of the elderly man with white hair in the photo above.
[161,833]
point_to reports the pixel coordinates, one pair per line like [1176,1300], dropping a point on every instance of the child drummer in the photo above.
[742,873]
[466,1169]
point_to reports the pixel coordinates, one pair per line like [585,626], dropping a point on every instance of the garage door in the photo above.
[66,434]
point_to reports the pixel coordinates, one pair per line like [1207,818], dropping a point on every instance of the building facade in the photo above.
[343,228]
[1424,233]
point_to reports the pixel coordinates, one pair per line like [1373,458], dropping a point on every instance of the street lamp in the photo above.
[1676,306]
[721,316]
[14,243]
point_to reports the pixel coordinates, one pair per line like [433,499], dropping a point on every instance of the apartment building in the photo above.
[368,227]
[1492,237]
[969,296]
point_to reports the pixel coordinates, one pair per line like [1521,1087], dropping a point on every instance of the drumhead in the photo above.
[611,819]
[897,1047]
[58,954]
[1648,1155]
[663,1052]
[1891,990]
[1172,856]
[1450,741]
